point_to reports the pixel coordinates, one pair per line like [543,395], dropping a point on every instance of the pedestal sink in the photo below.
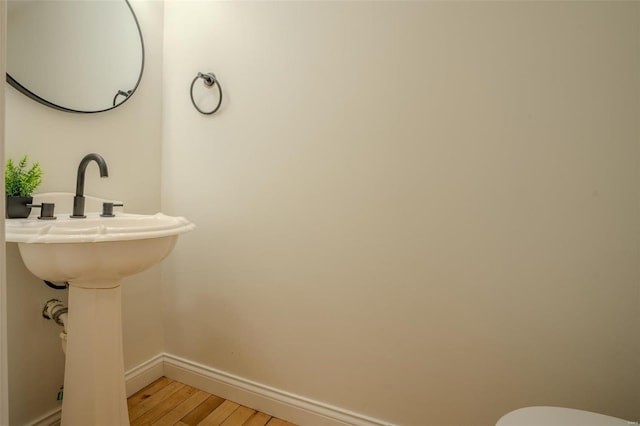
[93,255]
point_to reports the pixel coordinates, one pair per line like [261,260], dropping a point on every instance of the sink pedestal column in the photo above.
[94,387]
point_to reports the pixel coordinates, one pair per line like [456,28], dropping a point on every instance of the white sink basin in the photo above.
[93,255]
[95,251]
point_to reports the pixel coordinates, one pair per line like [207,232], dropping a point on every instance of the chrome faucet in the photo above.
[78,200]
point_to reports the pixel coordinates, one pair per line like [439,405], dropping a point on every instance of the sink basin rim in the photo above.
[124,226]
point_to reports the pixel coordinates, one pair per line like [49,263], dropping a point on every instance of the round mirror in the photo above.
[76,56]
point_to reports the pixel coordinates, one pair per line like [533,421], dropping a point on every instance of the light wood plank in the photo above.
[153,400]
[258,419]
[182,409]
[203,410]
[239,416]
[220,414]
[166,402]
[279,422]
[164,406]
[147,391]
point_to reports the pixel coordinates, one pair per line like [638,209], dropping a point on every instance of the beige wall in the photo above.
[4,382]
[129,138]
[425,212]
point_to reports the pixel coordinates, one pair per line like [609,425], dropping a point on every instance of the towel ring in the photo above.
[209,80]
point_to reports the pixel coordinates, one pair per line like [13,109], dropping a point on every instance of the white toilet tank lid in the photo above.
[557,416]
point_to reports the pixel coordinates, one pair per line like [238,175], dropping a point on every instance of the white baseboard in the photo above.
[50,419]
[275,402]
[143,374]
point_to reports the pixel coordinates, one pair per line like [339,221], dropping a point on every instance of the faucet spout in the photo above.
[78,200]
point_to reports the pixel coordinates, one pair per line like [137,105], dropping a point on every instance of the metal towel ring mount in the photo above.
[209,80]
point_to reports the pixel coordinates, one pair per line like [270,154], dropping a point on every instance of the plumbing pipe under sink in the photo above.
[55,310]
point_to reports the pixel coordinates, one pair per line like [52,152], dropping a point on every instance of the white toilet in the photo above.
[557,416]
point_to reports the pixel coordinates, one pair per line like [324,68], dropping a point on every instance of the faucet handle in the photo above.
[107,209]
[46,210]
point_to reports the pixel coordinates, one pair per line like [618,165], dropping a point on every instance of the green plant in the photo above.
[19,180]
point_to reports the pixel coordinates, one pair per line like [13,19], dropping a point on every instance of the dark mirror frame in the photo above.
[20,88]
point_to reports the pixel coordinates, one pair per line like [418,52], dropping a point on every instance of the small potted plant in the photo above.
[20,182]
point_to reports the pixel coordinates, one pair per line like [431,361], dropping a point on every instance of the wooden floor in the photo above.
[167,402]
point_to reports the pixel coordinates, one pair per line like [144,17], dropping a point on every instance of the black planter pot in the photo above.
[17,207]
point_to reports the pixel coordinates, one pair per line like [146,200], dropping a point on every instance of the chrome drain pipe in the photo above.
[55,310]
